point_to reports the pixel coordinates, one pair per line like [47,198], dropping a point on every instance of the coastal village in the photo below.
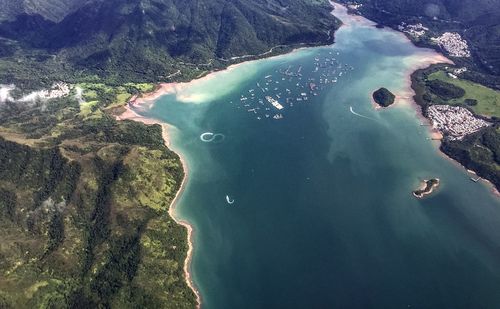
[416,30]
[454,121]
[453,43]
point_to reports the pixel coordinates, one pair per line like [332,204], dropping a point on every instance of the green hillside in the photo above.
[83,209]
[147,40]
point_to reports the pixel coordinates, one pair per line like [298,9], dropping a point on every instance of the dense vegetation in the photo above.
[83,210]
[480,151]
[478,21]
[118,41]
[444,90]
[383,97]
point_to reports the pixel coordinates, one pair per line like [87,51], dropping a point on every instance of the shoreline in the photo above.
[406,95]
[163,89]
[189,227]
[171,88]
[130,114]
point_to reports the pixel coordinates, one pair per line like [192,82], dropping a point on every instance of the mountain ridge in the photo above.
[146,40]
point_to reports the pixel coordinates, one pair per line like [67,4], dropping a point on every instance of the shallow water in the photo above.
[323,213]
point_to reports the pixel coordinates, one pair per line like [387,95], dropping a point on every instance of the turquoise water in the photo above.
[323,214]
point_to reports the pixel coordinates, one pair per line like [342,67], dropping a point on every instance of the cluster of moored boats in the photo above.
[290,85]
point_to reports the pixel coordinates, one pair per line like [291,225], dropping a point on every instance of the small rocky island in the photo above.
[426,188]
[383,97]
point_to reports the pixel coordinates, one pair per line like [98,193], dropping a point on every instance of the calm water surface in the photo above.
[323,215]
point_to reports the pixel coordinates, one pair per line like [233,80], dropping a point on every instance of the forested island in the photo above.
[383,97]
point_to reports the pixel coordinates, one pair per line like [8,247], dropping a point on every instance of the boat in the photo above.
[274,103]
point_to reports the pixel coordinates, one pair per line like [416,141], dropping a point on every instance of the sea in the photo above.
[311,205]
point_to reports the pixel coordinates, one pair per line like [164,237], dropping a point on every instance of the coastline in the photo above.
[130,114]
[406,95]
[434,134]
[163,89]
[176,87]
[189,227]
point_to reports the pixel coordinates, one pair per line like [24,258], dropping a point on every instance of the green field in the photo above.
[488,100]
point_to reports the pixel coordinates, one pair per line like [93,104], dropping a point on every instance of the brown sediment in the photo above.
[341,10]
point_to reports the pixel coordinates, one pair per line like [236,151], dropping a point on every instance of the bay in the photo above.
[323,214]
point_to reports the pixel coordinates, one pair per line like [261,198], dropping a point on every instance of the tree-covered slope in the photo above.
[83,210]
[137,40]
[54,10]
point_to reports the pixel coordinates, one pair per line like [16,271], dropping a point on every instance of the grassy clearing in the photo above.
[99,96]
[142,87]
[488,100]
[87,108]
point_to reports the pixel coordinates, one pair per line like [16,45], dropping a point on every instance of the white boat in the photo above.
[274,103]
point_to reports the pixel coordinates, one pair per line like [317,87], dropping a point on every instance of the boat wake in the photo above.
[209,137]
[359,115]
[229,200]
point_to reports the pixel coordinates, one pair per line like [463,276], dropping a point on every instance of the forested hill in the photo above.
[54,10]
[147,40]
[477,21]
